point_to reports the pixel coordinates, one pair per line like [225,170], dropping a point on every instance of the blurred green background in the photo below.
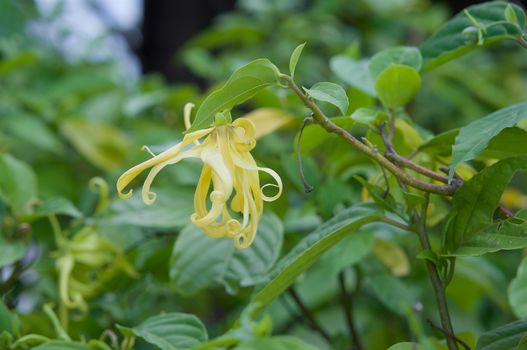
[75,105]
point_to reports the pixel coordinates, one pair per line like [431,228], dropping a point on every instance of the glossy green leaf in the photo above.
[517,291]
[18,184]
[62,345]
[397,85]
[474,138]
[404,55]
[311,248]
[242,85]
[450,42]
[275,343]
[172,331]
[294,58]
[102,145]
[506,337]
[192,271]
[354,73]
[330,93]
[471,230]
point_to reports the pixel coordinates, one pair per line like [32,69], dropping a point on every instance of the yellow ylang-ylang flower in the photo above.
[236,199]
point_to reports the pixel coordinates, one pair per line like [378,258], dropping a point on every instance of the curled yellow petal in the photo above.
[170,153]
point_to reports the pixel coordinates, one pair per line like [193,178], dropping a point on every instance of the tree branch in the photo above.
[331,127]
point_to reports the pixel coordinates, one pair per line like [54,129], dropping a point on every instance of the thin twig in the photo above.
[308,315]
[437,283]
[396,224]
[392,154]
[448,334]
[307,187]
[346,300]
[283,301]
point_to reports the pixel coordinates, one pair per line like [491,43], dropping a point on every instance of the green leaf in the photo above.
[192,271]
[474,138]
[404,55]
[11,251]
[397,85]
[440,144]
[331,93]
[103,145]
[283,342]
[8,321]
[509,142]
[392,291]
[506,337]
[406,346]
[62,345]
[450,42]
[242,85]
[18,184]
[248,266]
[471,230]
[354,73]
[312,137]
[160,214]
[311,248]
[294,58]
[510,15]
[367,116]
[172,331]
[33,132]
[517,291]
[57,206]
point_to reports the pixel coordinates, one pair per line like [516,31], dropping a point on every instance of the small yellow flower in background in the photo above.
[229,166]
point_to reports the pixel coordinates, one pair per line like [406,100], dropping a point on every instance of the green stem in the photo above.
[437,284]
[346,300]
[331,127]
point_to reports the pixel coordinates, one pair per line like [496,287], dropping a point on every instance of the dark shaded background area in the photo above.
[168,24]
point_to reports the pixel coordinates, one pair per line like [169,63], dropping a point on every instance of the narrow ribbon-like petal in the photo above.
[170,153]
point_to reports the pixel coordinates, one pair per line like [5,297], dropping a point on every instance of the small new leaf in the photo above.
[510,15]
[331,93]
[294,59]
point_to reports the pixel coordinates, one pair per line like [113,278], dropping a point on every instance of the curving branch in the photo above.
[320,118]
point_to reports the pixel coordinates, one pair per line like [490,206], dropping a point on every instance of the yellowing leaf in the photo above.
[102,145]
[267,120]
[392,256]
[411,136]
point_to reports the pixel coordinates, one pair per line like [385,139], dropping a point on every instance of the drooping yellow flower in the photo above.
[236,199]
